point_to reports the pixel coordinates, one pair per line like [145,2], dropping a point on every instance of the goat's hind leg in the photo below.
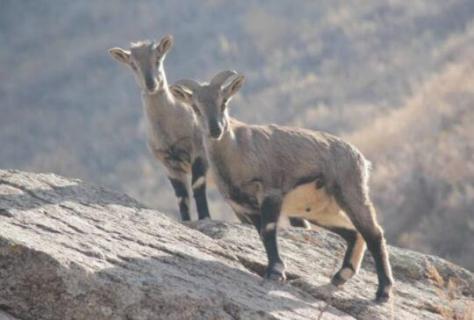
[354,200]
[339,223]
[353,256]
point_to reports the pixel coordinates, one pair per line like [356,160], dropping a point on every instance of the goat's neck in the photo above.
[158,104]
[228,146]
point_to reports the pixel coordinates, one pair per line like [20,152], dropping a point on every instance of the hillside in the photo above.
[69,250]
[423,165]
[347,67]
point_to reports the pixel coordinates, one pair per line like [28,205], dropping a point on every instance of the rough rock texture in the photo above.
[69,250]
[6,316]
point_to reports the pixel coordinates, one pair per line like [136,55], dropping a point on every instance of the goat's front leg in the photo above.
[270,215]
[181,190]
[199,171]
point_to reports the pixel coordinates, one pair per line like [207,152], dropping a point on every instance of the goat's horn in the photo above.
[220,78]
[188,83]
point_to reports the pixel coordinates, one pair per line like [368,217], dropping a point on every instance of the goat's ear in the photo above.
[165,45]
[234,86]
[120,55]
[182,93]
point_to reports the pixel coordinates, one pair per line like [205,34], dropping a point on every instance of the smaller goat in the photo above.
[174,137]
[265,170]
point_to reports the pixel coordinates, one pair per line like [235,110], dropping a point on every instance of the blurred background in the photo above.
[395,77]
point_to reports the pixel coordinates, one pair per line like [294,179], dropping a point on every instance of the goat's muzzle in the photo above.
[215,130]
[150,84]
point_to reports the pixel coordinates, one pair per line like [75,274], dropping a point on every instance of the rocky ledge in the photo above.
[69,250]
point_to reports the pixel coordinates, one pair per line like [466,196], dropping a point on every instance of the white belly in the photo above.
[315,205]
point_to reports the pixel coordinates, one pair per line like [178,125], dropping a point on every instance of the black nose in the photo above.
[215,129]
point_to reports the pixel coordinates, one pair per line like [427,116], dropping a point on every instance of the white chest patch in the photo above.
[316,205]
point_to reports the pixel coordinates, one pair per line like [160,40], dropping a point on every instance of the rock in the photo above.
[6,316]
[69,250]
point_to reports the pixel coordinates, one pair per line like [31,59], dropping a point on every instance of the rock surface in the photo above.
[69,250]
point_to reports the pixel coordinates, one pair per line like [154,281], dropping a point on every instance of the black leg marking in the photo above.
[181,193]
[348,269]
[376,245]
[350,236]
[199,170]
[270,214]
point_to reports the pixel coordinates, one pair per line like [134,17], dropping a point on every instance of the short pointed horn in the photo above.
[220,78]
[188,83]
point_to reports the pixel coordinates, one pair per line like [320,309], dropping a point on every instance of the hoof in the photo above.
[342,276]
[383,294]
[276,273]
[337,280]
[275,276]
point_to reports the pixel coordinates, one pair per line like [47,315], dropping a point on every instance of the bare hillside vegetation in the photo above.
[394,77]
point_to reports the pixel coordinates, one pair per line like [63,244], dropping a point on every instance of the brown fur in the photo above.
[258,169]
[174,137]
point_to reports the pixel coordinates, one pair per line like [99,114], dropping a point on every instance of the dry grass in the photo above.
[423,177]
[448,291]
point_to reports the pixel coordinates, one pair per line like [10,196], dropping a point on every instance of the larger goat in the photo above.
[265,170]
[173,133]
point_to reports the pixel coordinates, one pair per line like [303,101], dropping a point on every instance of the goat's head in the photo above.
[145,58]
[209,101]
